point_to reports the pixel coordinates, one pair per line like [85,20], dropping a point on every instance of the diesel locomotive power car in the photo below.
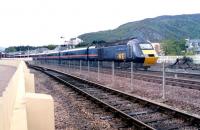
[130,50]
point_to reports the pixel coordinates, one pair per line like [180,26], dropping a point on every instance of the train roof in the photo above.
[118,42]
[77,49]
[69,50]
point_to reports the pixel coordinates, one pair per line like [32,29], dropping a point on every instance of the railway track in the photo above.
[142,113]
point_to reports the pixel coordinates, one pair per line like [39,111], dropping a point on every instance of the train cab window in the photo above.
[130,48]
[146,46]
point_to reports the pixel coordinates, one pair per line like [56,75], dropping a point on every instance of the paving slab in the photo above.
[6,73]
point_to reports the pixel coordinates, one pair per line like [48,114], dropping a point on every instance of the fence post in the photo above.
[175,76]
[72,65]
[88,68]
[80,67]
[98,70]
[131,75]
[63,66]
[163,82]
[69,65]
[113,73]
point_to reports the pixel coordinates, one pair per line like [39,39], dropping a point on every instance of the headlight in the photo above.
[146,55]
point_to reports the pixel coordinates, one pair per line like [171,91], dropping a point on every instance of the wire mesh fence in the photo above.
[121,76]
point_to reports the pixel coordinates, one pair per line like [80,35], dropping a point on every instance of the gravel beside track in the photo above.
[167,118]
[177,97]
[72,111]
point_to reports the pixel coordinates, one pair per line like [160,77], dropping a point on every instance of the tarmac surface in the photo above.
[6,73]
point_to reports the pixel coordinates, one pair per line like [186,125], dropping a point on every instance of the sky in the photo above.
[43,22]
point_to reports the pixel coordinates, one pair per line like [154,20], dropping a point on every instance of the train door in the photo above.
[100,53]
[130,50]
[87,52]
[59,58]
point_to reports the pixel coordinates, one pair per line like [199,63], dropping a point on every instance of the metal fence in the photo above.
[116,75]
[172,59]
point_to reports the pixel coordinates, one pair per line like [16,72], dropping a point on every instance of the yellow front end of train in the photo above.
[151,57]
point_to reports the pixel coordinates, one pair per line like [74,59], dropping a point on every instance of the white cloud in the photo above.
[37,22]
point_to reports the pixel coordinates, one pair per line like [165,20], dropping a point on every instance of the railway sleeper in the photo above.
[171,126]
[115,104]
[166,124]
[139,113]
[158,120]
[107,117]
[125,109]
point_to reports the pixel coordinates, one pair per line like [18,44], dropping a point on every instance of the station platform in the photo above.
[6,73]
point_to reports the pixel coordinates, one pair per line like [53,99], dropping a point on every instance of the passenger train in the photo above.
[130,50]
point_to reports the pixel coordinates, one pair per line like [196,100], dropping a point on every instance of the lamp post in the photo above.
[62,37]
[65,41]
[28,52]
[20,52]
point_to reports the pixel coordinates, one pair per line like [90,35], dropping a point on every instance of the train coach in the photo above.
[131,50]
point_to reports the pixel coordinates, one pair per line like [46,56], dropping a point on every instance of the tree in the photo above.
[82,44]
[51,46]
[10,49]
[173,47]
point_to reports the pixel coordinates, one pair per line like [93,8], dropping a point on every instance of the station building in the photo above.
[193,45]
[158,48]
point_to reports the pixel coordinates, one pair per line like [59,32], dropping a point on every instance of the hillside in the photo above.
[153,29]
[2,49]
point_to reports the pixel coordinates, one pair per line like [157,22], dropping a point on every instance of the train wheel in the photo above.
[146,68]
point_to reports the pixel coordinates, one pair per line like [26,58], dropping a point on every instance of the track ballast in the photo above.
[142,113]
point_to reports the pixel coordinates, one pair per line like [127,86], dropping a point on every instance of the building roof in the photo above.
[194,40]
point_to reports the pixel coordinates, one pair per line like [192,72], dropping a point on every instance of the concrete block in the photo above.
[19,118]
[20,107]
[29,82]
[1,113]
[40,111]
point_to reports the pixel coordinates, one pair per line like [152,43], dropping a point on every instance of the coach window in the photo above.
[146,46]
